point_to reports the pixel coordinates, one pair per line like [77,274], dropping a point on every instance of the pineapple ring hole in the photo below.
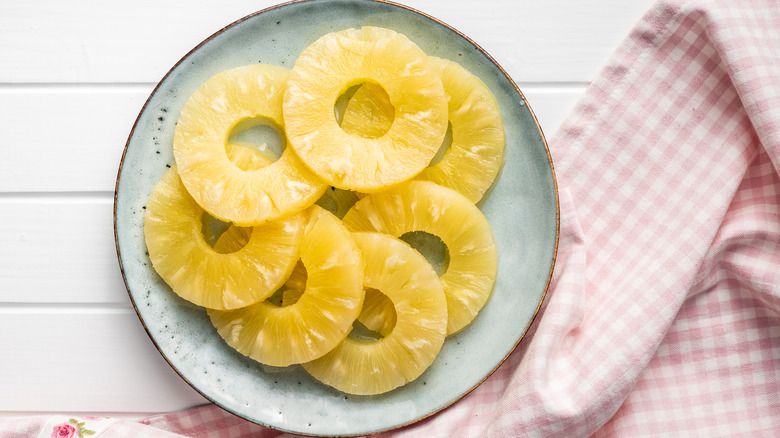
[292,290]
[261,134]
[361,333]
[377,318]
[431,247]
[213,228]
[378,96]
[277,298]
[446,144]
[340,107]
[337,201]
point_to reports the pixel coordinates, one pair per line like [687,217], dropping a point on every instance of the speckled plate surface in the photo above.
[522,209]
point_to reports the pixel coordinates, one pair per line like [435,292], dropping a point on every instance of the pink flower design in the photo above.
[72,429]
[64,430]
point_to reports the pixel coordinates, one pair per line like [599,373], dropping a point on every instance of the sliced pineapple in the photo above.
[453,218]
[322,316]
[341,60]
[226,279]
[473,160]
[411,345]
[229,193]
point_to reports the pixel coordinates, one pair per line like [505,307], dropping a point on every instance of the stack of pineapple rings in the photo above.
[286,282]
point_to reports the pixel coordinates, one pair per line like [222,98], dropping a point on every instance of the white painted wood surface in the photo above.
[73,76]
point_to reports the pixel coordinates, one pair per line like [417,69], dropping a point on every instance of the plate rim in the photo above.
[479,48]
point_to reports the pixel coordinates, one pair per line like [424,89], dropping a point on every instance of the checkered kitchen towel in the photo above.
[663,314]
[662,318]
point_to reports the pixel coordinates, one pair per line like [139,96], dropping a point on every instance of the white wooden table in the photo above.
[73,77]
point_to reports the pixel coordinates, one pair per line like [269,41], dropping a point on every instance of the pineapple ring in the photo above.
[449,215]
[209,277]
[410,347]
[321,318]
[471,163]
[227,192]
[340,60]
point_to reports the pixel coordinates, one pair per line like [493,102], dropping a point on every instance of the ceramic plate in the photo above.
[522,209]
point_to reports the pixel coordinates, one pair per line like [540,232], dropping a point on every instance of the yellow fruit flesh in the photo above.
[205,276]
[473,160]
[340,60]
[403,275]
[229,193]
[322,316]
[461,226]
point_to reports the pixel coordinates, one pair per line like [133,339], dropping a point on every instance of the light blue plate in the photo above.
[522,209]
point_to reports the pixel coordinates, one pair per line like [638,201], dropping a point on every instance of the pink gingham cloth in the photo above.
[662,316]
